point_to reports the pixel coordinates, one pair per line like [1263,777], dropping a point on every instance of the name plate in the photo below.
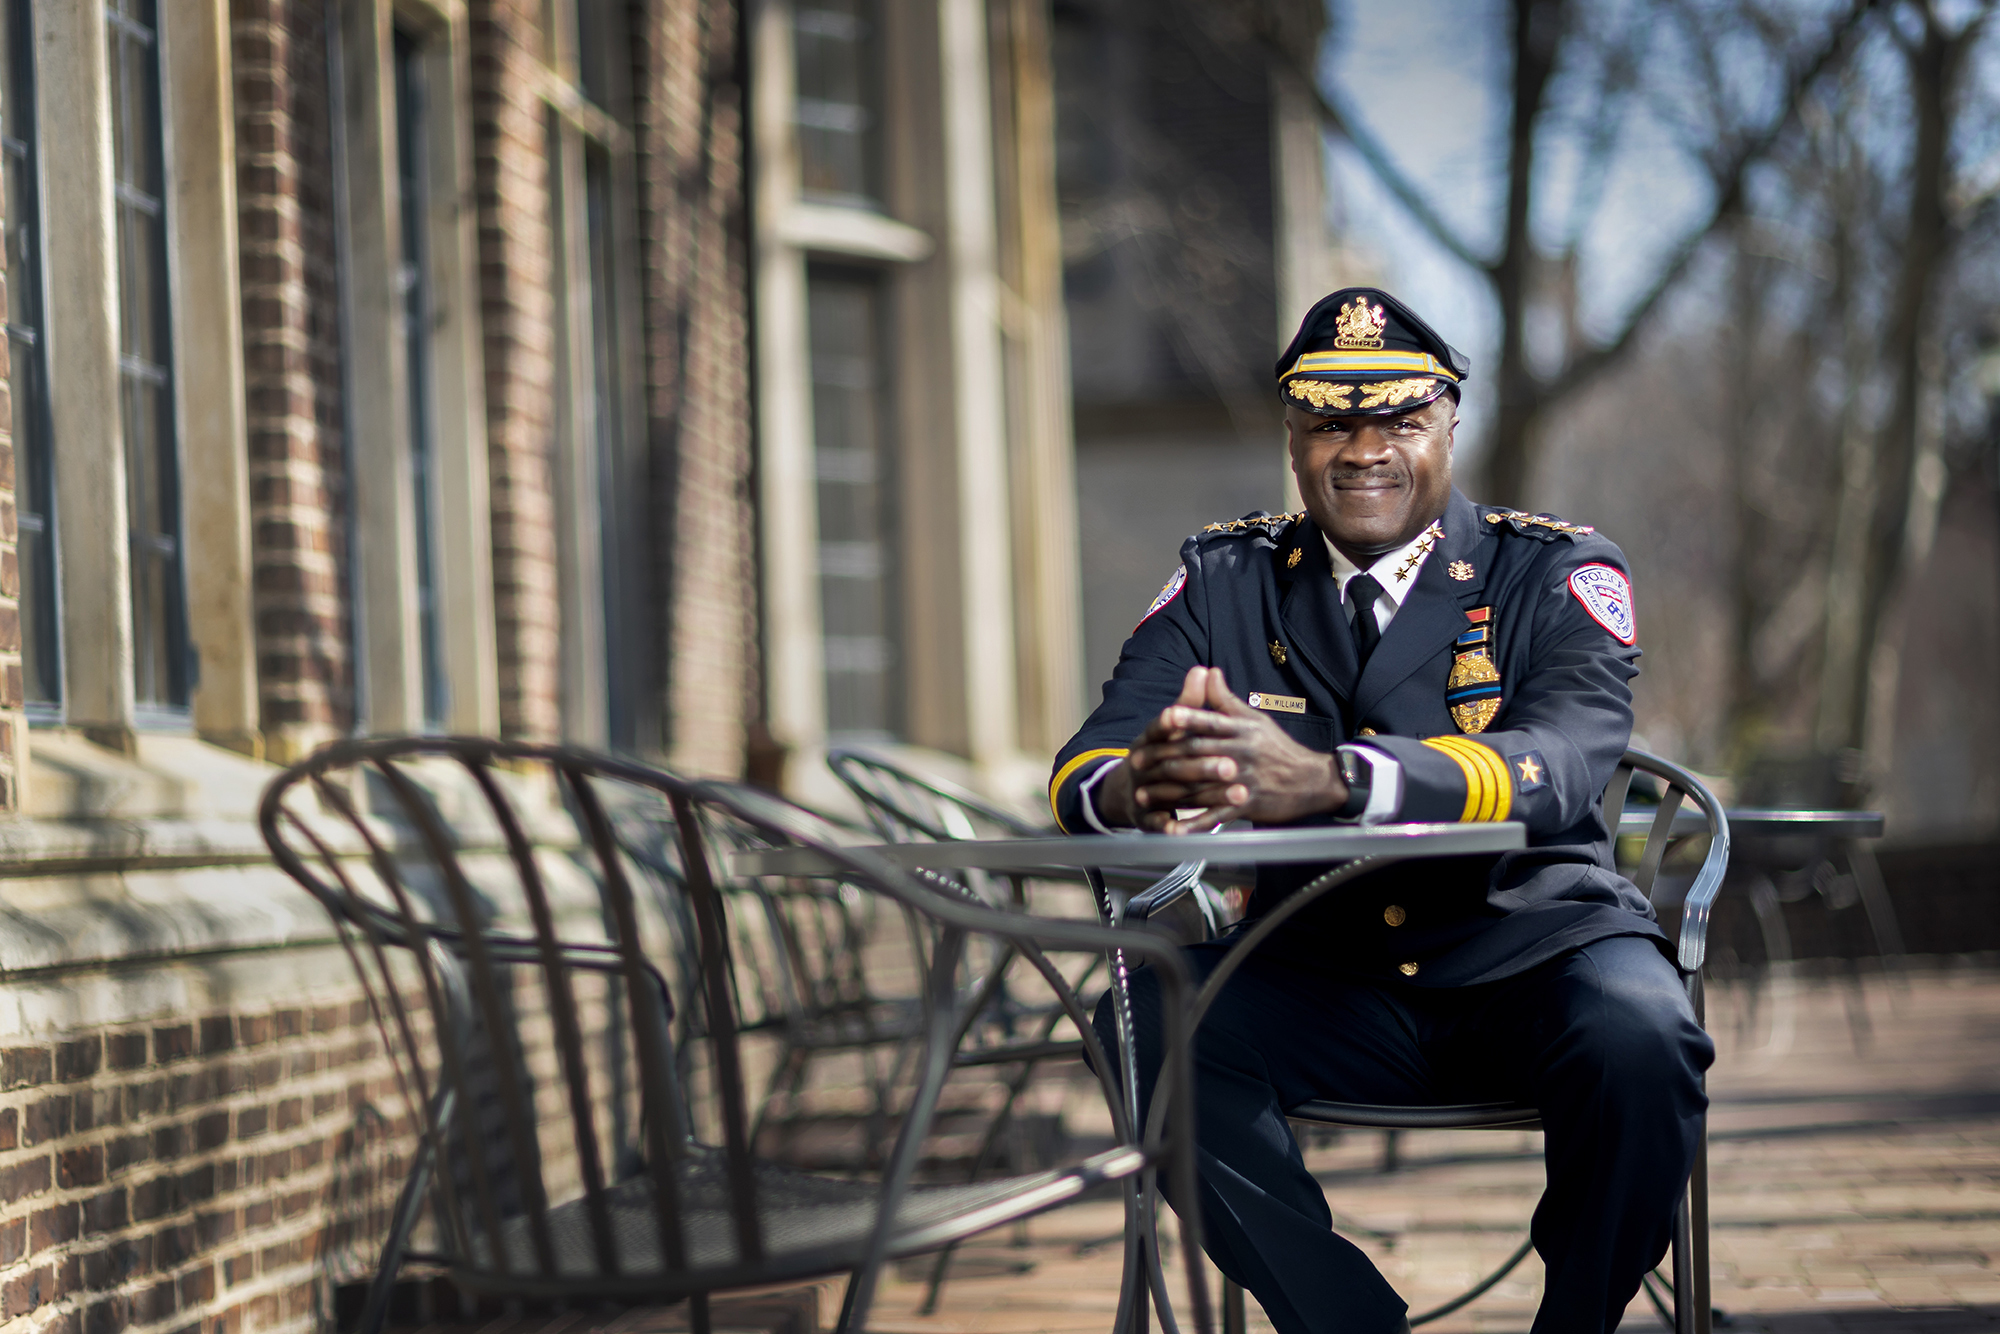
[1276,703]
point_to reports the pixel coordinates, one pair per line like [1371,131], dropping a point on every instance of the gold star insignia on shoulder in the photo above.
[1531,772]
[1460,570]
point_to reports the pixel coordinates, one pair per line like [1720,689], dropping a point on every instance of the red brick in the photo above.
[80,1167]
[125,1051]
[13,1240]
[22,1294]
[106,1213]
[24,1066]
[53,1226]
[45,1120]
[217,1034]
[252,1121]
[10,1129]
[173,1044]
[31,1177]
[79,1059]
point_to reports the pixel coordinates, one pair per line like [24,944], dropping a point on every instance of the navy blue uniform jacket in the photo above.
[1260,590]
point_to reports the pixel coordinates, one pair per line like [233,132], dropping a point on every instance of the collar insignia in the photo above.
[1460,570]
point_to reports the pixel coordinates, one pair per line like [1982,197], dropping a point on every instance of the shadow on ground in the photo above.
[1875,1320]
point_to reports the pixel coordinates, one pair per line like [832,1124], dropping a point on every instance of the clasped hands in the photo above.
[1212,755]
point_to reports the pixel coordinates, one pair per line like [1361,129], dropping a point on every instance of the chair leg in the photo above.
[1704,1297]
[1235,1319]
[1685,1304]
[409,1206]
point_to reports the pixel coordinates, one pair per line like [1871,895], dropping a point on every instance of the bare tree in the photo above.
[1546,36]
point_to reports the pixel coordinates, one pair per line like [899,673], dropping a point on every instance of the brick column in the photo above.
[292,373]
[13,722]
[517,252]
[690,165]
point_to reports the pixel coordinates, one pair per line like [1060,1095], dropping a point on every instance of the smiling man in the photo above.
[1396,652]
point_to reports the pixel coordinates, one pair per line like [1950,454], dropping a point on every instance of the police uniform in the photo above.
[1498,690]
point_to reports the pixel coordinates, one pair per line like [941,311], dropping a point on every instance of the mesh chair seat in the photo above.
[1442,1116]
[810,1224]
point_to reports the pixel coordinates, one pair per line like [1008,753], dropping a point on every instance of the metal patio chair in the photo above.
[806,984]
[525,1003]
[1690,1259]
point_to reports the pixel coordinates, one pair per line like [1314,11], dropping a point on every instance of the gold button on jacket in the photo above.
[1394,915]
[1407,969]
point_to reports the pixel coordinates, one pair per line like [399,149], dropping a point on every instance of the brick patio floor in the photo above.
[1855,1162]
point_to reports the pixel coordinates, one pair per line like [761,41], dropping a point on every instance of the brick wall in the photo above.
[13,723]
[690,164]
[207,1174]
[517,255]
[291,349]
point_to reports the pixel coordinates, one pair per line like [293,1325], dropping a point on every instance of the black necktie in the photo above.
[1362,590]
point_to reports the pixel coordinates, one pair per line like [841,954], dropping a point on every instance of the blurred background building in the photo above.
[718,382]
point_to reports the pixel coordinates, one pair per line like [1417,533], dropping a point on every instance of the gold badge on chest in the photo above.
[1473,692]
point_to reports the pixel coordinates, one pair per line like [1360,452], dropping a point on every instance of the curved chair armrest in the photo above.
[1168,890]
[1700,899]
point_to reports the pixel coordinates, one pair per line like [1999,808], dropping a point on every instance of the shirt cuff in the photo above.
[1083,791]
[1385,786]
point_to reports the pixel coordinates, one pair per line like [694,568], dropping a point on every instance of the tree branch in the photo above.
[1373,153]
[1730,185]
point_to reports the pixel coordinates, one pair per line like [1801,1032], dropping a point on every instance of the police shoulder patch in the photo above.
[1168,593]
[1607,596]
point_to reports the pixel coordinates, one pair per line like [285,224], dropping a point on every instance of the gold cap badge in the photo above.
[1359,325]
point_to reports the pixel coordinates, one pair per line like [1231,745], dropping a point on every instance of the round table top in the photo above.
[1319,843]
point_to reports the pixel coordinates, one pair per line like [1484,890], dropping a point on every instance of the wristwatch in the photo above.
[1359,775]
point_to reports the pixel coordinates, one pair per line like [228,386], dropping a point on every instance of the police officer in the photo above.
[1397,652]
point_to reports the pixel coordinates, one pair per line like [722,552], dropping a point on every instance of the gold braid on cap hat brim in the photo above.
[1323,396]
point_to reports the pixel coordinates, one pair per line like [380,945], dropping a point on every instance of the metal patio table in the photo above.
[1223,857]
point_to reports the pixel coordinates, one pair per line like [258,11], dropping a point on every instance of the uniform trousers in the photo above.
[1603,1040]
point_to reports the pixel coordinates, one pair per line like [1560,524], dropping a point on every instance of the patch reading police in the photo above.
[1608,598]
[1168,593]
[1529,771]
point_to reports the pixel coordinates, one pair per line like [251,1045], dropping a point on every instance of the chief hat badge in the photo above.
[1359,325]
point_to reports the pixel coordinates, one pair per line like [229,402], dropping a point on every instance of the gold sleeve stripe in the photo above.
[1489,786]
[1062,775]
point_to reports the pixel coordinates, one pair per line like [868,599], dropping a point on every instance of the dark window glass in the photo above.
[853,466]
[41,661]
[145,360]
[414,278]
[839,103]
[625,622]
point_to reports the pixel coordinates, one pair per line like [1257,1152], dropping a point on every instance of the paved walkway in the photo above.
[1855,1162]
[1855,1166]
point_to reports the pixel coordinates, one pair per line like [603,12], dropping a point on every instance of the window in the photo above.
[838,105]
[415,284]
[852,465]
[41,659]
[145,371]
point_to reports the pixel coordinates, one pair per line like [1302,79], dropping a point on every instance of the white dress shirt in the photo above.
[1395,570]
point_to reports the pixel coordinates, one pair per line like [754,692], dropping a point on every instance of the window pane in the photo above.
[34,496]
[146,400]
[838,99]
[854,472]
[413,181]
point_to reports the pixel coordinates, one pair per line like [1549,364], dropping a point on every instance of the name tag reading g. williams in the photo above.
[1276,703]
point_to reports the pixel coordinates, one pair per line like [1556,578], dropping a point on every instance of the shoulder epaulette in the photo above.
[1260,521]
[1547,527]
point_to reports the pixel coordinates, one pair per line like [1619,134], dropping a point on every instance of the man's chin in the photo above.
[1372,530]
